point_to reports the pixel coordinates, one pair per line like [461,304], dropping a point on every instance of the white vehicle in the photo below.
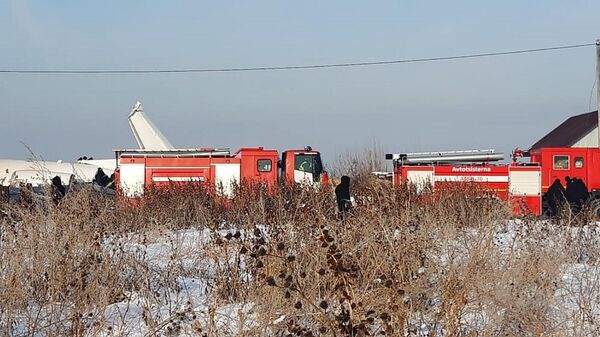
[38,172]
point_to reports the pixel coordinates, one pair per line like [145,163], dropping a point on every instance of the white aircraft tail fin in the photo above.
[147,135]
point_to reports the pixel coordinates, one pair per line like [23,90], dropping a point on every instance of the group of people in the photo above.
[58,190]
[103,180]
[575,194]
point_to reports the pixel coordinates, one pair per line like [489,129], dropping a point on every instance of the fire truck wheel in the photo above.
[595,206]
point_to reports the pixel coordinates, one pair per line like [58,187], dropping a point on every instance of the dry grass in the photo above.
[283,265]
[360,164]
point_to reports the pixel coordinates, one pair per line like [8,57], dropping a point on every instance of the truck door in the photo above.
[265,171]
[561,166]
[302,167]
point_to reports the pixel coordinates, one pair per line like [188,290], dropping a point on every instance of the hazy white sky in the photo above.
[501,102]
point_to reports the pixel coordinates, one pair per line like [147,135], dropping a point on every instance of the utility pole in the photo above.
[598,86]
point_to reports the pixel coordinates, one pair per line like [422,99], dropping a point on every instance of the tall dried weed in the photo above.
[399,264]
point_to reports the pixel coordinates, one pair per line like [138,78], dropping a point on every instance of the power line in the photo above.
[309,66]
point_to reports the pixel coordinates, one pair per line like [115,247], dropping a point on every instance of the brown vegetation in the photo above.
[397,266]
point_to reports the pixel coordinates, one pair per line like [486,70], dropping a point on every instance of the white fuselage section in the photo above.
[13,172]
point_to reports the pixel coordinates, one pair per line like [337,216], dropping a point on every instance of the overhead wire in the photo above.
[290,67]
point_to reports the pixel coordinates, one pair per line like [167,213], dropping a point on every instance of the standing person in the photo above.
[101,178]
[342,195]
[581,192]
[58,190]
[577,193]
[570,191]
[556,197]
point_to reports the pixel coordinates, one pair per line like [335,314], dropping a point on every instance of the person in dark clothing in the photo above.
[342,195]
[556,196]
[58,190]
[581,192]
[568,182]
[569,192]
[101,178]
[577,193]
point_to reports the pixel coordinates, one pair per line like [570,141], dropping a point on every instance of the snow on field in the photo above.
[175,296]
[577,300]
[173,308]
[185,308]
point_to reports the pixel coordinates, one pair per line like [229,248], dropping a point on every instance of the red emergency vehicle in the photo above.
[518,184]
[218,169]
[562,162]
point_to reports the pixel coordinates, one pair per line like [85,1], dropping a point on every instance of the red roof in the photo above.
[569,132]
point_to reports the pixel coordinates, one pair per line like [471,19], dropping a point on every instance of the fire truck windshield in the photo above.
[309,163]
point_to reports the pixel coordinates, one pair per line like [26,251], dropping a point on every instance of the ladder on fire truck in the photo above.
[469,156]
[174,153]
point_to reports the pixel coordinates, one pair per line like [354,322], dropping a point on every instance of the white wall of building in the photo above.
[589,140]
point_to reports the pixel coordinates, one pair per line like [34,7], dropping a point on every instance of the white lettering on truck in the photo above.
[470,169]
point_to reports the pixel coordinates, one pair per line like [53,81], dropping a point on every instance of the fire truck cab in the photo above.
[517,184]
[217,169]
[562,162]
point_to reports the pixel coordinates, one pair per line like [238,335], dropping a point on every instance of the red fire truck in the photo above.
[519,184]
[562,162]
[216,168]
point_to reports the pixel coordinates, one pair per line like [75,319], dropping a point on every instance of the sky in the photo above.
[498,102]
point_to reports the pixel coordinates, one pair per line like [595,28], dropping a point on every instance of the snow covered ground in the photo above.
[183,307]
[175,295]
